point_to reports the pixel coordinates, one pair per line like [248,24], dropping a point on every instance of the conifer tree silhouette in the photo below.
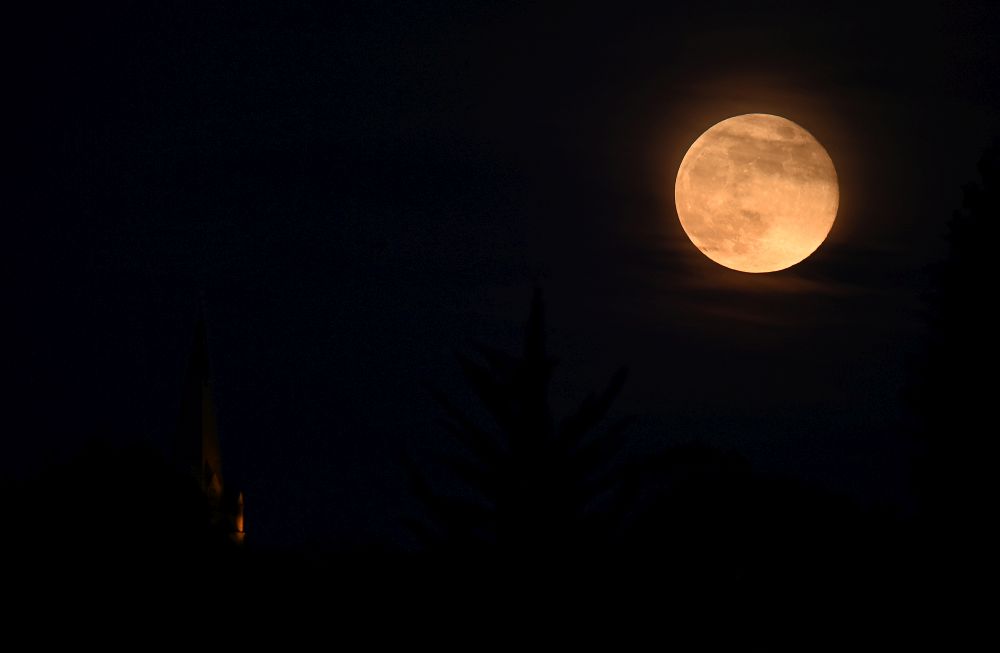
[535,479]
[956,468]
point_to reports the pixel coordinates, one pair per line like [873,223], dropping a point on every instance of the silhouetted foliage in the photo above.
[556,490]
[534,479]
[956,468]
[699,513]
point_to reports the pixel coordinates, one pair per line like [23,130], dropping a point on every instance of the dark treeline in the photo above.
[531,490]
[956,469]
[563,496]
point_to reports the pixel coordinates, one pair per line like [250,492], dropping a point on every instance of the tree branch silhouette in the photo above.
[533,478]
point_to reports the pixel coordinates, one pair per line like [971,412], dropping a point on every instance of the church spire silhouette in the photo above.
[196,446]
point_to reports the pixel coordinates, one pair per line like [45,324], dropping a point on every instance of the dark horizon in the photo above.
[352,197]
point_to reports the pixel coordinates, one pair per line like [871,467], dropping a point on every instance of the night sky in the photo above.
[351,195]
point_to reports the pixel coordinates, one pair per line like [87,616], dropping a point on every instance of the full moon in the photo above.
[757,193]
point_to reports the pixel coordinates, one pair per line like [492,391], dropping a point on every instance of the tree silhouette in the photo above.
[956,467]
[535,481]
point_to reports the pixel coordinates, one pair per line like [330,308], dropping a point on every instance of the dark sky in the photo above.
[357,193]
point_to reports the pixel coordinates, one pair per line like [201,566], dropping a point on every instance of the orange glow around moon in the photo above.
[757,193]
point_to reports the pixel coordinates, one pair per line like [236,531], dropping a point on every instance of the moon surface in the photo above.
[757,193]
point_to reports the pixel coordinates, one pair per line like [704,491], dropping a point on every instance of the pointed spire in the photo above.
[197,442]
[197,446]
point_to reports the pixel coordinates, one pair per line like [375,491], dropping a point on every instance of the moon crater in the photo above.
[757,193]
